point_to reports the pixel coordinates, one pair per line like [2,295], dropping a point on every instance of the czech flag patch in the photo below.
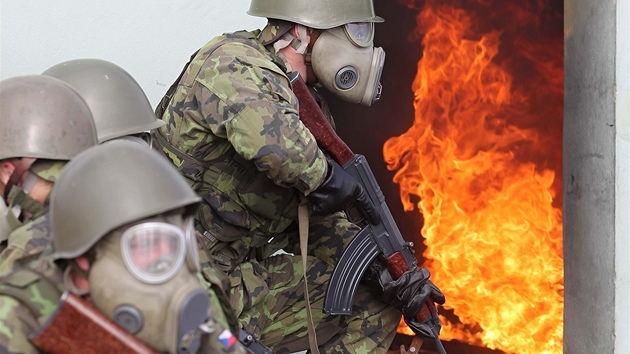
[227,338]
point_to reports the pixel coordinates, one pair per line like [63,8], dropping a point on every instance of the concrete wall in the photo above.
[622,181]
[151,39]
[596,184]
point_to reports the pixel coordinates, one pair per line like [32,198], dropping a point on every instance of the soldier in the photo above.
[130,251]
[234,132]
[44,124]
[120,110]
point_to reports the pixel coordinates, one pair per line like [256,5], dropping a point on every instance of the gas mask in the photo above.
[144,278]
[347,64]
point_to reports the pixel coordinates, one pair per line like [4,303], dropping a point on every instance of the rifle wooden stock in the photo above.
[314,119]
[76,327]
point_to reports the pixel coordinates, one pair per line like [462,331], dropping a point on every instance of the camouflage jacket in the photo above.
[234,132]
[18,320]
[29,239]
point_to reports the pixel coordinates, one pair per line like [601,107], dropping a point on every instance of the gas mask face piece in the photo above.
[144,279]
[347,64]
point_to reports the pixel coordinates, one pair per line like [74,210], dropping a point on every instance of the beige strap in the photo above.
[303,224]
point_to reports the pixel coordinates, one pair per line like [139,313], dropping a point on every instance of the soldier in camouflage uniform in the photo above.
[44,124]
[234,132]
[132,250]
[120,110]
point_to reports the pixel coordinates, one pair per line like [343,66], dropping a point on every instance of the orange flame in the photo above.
[493,235]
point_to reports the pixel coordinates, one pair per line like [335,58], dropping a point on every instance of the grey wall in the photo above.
[151,39]
[622,180]
[596,146]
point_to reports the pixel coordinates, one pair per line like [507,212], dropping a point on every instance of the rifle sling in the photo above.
[303,225]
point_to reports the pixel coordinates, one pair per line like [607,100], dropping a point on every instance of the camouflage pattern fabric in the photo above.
[32,237]
[235,114]
[16,321]
[223,338]
[274,30]
[48,169]
[29,239]
[234,132]
[268,297]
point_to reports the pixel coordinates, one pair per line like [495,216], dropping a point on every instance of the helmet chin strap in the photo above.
[296,42]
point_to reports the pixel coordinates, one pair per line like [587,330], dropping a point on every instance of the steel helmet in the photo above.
[44,118]
[119,105]
[316,14]
[108,186]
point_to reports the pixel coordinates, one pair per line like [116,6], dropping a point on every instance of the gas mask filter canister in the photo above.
[347,64]
[144,279]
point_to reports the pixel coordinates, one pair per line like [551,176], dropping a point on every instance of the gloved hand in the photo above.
[338,191]
[407,293]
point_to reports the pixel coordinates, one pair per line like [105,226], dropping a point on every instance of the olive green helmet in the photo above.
[119,105]
[316,14]
[108,186]
[43,117]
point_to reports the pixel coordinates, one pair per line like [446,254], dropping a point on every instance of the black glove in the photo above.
[407,293]
[429,327]
[340,190]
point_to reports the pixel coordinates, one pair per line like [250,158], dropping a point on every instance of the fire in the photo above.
[488,196]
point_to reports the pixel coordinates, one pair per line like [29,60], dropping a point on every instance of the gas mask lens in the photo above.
[360,34]
[153,252]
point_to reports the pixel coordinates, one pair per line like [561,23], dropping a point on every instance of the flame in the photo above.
[486,180]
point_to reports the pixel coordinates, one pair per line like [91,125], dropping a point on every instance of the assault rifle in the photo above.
[382,239]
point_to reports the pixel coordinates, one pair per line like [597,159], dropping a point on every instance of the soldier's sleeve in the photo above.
[15,325]
[29,239]
[257,113]
[8,257]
